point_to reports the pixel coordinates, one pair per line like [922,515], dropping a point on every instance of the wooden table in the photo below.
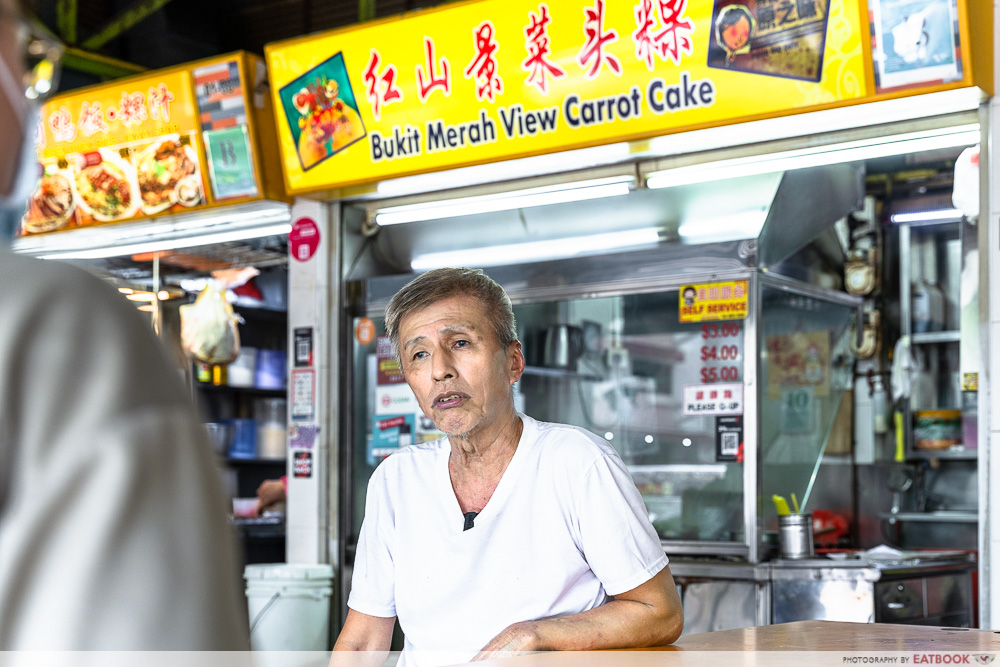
[803,643]
[835,636]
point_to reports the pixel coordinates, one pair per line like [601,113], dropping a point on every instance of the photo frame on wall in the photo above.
[915,42]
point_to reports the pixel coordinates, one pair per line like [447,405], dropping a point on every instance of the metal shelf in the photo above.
[950,454]
[560,373]
[932,337]
[941,516]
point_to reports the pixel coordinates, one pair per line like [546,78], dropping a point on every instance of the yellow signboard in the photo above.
[707,302]
[483,81]
[161,142]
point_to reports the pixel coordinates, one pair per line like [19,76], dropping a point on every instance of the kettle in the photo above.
[561,346]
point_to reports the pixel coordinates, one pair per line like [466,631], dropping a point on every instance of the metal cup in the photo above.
[795,535]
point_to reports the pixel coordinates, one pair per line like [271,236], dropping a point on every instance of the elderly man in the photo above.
[509,534]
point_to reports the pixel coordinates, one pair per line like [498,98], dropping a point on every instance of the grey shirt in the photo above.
[112,520]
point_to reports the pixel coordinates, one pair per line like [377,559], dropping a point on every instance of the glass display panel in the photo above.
[805,367]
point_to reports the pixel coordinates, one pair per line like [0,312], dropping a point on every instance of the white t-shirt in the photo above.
[565,528]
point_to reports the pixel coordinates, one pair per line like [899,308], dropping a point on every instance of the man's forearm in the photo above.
[617,624]
[648,615]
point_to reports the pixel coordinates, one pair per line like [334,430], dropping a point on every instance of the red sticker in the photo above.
[303,239]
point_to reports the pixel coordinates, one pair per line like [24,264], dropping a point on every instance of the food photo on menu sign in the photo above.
[117,183]
[109,155]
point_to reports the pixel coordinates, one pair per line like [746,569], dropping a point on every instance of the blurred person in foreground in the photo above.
[509,534]
[112,520]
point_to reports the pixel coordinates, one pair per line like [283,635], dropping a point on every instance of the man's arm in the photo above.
[648,615]
[365,633]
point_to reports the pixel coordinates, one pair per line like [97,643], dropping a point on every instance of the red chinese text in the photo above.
[131,110]
[92,119]
[380,89]
[483,67]
[672,41]
[597,39]
[160,98]
[61,124]
[433,79]
[536,41]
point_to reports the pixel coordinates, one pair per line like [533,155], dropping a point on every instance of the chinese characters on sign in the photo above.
[380,89]
[593,50]
[714,301]
[713,399]
[537,64]
[483,67]
[428,79]
[132,111]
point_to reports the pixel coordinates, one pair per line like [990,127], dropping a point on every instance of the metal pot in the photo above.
[562,346]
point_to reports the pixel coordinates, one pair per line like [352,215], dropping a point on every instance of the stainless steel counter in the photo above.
[918,588]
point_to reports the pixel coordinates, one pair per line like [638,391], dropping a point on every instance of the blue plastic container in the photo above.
[270,371]
[244,439]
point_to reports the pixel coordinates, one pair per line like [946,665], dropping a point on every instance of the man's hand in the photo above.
[269,492]
[648,615]
[515,639]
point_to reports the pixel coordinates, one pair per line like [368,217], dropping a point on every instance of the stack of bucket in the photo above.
[289,606]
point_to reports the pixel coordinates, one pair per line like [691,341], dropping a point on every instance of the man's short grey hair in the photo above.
[439,284]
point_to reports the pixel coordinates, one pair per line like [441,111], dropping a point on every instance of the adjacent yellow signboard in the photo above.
[498,79]
[707,302]
[161,142]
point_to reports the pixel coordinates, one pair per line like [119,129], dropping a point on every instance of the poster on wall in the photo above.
[783,39]
[798,360]
[915,42]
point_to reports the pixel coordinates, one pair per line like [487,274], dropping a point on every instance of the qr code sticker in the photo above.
[730,444]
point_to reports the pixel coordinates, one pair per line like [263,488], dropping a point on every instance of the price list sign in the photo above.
[721,309]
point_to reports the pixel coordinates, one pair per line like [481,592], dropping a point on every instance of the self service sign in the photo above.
[483,81]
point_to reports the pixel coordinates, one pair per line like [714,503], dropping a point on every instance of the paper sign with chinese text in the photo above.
[721,398]
[478,82]
[707,302]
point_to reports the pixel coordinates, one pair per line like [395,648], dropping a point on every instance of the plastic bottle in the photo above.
[920,298]
[930,280]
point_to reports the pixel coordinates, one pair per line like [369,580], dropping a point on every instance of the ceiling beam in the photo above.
[98,65]
[123,21]
[366,10]
[66,20]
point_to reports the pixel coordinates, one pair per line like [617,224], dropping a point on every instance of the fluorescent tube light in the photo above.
[612,186]
[197,228]
[942,215]
[171,244]
[517,253]
[852,151]
[723,228]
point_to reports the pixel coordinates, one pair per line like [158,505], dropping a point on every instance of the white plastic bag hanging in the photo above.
[208,327]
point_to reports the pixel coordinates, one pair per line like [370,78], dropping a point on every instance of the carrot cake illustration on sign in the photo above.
[321,112]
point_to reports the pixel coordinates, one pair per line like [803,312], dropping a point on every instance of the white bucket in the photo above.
[289,606]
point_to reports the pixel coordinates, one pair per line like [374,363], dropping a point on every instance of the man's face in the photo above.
[456,367]
[11,132]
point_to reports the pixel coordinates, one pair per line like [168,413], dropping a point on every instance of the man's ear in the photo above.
[516,360]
